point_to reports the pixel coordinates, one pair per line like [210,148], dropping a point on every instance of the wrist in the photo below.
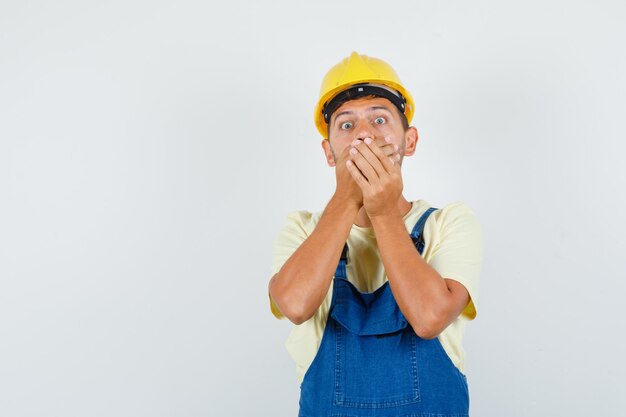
[386,219]
[345,202]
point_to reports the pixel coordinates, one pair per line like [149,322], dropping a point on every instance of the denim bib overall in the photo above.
[371,363]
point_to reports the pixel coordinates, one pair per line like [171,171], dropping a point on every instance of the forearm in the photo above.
[301,285]
[419,290]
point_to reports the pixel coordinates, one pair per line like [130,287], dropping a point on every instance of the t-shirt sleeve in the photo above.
[459,252]
[297,228]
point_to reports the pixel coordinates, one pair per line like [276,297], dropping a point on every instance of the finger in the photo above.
[368,156]
[393,161]
[389,148]
[363,164]
[374,155]
[356,174]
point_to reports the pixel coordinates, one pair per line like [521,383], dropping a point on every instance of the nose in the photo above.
[363,130]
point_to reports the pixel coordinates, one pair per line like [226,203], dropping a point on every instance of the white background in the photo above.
[151,150]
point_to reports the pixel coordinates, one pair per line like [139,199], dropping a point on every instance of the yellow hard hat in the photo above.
[358,76]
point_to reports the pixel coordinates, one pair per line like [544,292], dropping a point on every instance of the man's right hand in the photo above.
[301,285]
[347,189]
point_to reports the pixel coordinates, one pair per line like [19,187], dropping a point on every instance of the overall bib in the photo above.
[371,363]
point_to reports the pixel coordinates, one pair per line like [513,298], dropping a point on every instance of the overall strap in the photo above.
[417,235]
[341,266]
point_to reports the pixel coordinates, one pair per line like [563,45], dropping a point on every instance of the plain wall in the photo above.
[150,151]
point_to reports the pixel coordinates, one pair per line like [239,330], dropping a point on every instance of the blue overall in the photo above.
[371,363]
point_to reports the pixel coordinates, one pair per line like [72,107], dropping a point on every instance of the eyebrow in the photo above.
[369,110]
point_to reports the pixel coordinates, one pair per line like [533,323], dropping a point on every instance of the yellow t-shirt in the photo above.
[453,247]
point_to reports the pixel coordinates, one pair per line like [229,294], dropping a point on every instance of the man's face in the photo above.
[373,117]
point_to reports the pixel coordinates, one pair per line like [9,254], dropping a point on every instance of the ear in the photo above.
[410,141]
[328,152]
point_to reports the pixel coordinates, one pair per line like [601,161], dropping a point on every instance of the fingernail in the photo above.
[388,139]
[368,141]
[398,156]
[355,142]
[353,151]
[395,147]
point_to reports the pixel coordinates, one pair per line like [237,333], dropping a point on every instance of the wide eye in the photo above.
[346,125]
[380,120]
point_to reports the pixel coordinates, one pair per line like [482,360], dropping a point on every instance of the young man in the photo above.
[379,288]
